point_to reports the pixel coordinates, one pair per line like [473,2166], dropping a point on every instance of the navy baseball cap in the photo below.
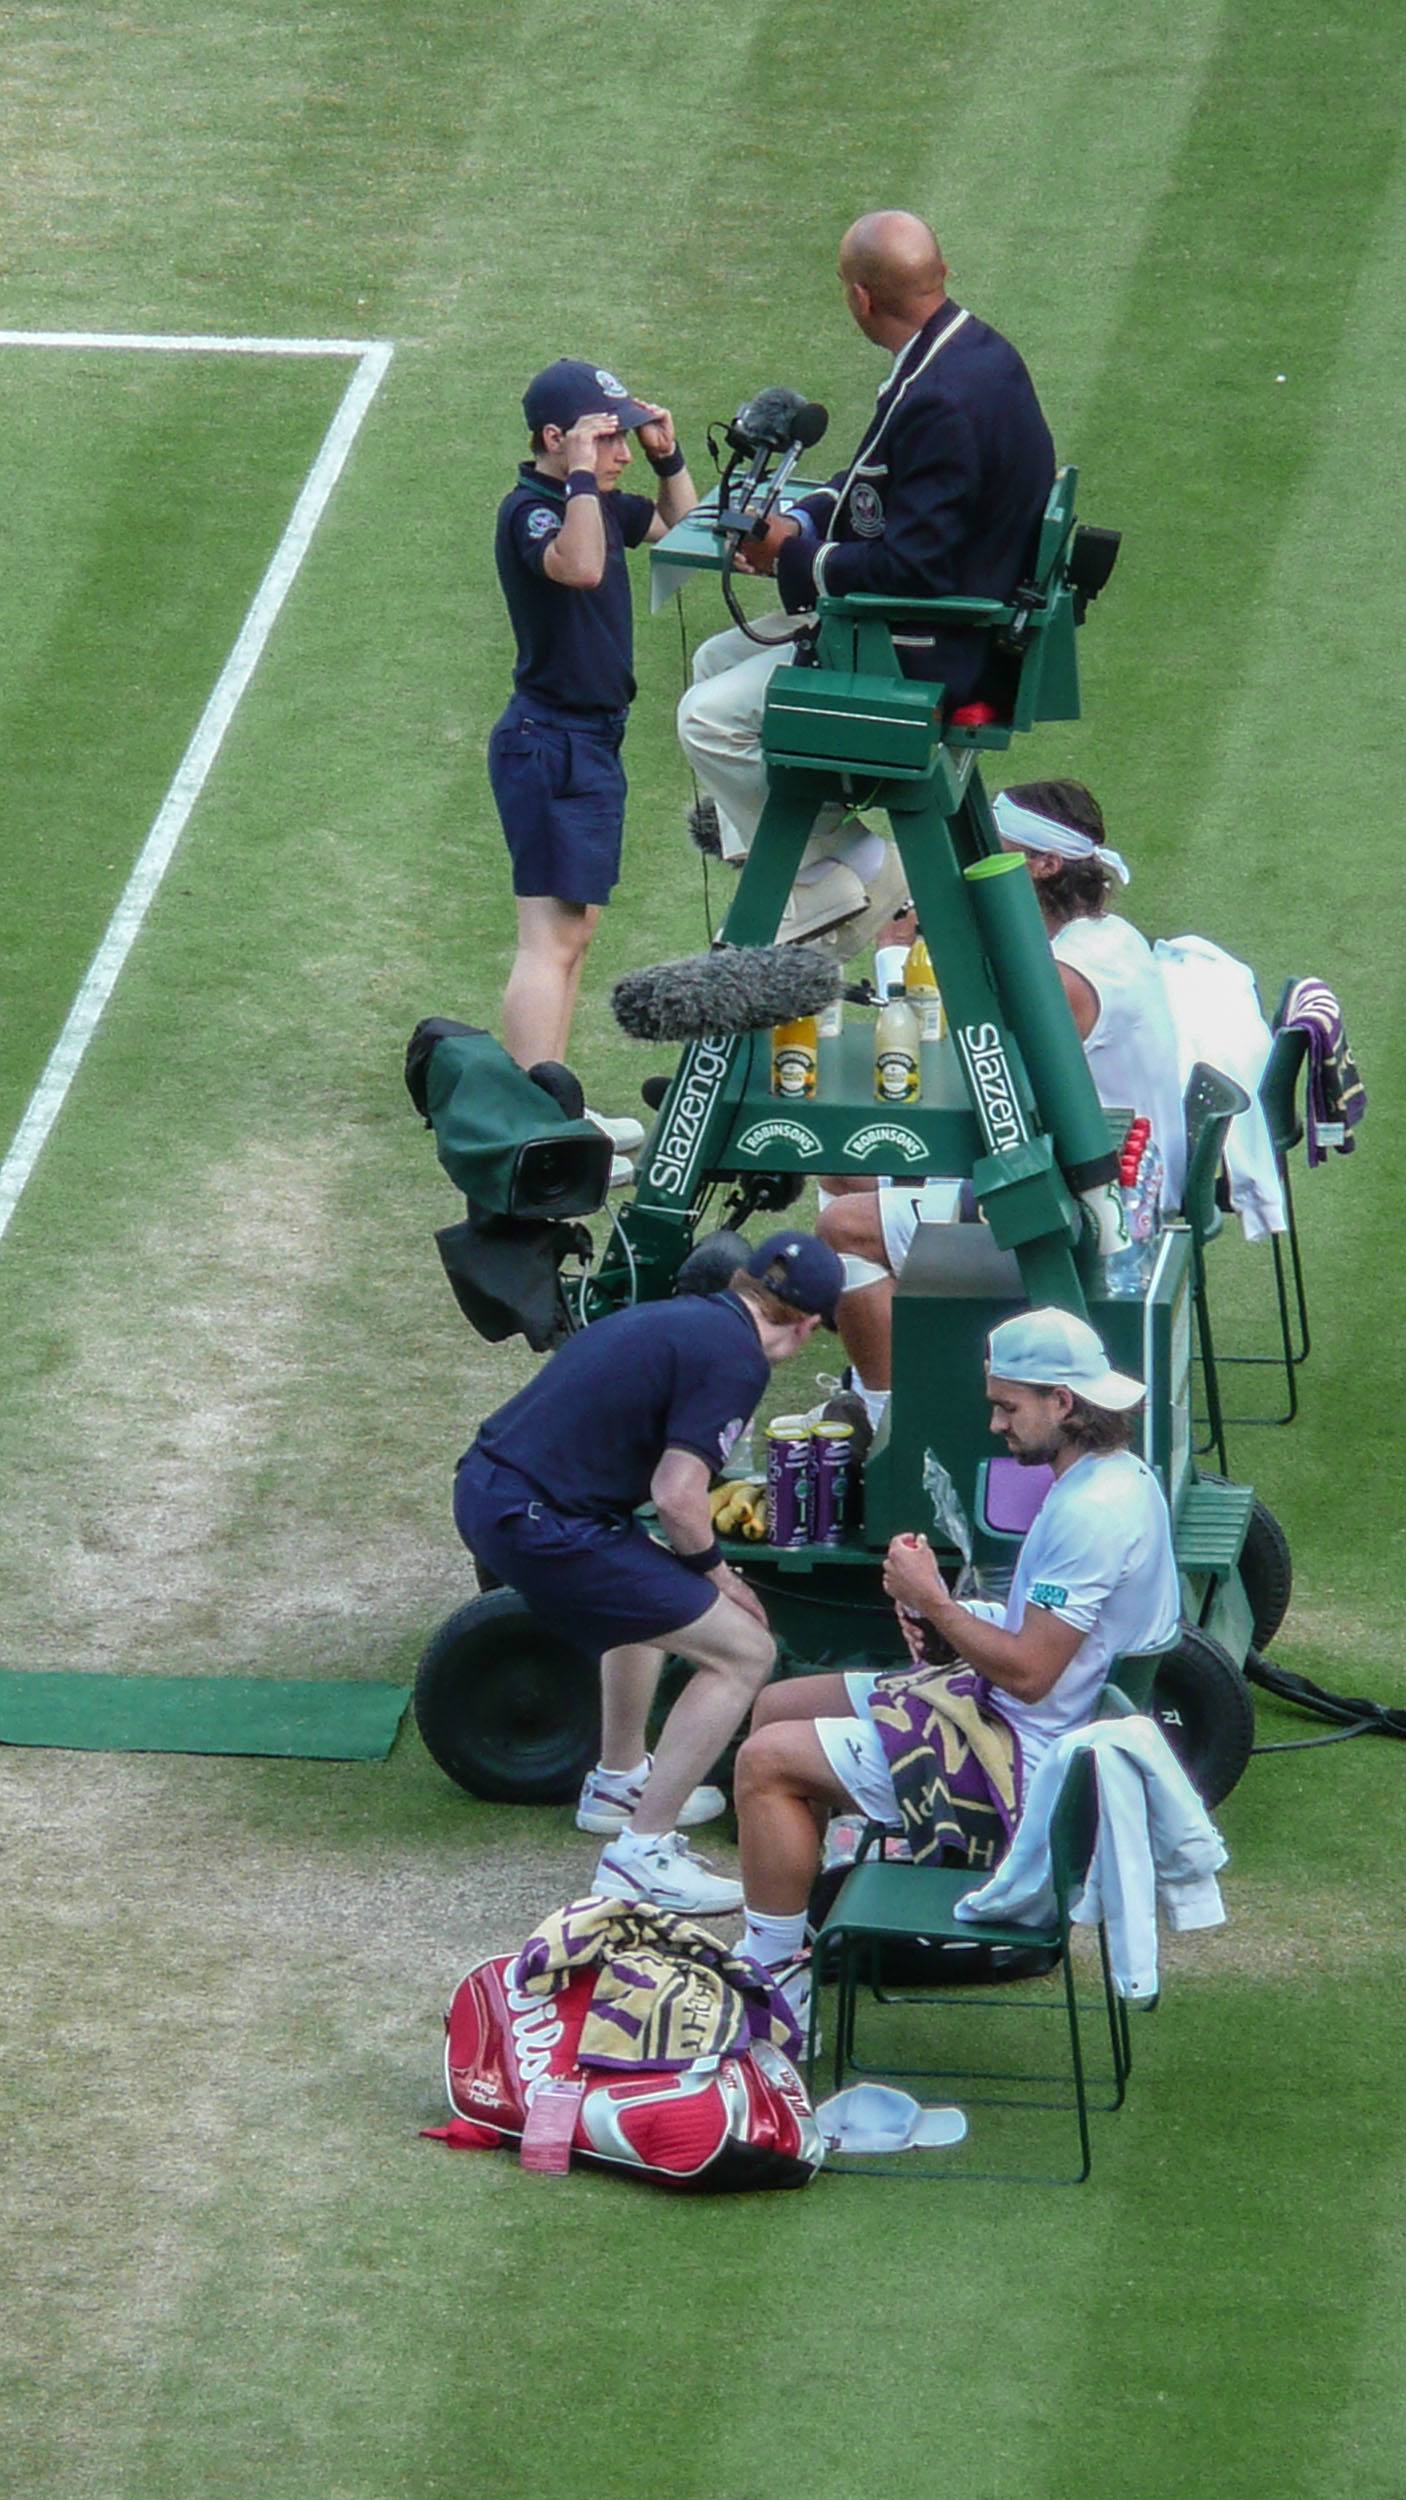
[570,389]
[801,1271]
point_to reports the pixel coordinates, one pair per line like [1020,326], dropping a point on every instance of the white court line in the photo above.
[178,344]
[100,980]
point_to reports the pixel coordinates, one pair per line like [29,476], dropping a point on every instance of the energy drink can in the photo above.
[831,1480]
[788,1480]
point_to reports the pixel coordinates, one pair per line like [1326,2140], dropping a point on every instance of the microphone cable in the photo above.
[1353,1716]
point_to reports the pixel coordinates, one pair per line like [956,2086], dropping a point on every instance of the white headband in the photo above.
[1040,833]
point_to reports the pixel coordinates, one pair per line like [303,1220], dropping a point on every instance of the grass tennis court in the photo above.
[234,1385]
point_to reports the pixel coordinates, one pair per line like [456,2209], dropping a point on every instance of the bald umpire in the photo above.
[943,496]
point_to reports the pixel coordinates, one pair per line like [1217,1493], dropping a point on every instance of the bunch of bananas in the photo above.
[739,1509]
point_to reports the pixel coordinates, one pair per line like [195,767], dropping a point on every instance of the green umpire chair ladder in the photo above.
[1028,1125]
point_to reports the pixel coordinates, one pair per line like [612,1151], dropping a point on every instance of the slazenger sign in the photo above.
[778,1133]
[992,1088]
[673,1163]
[866,1141]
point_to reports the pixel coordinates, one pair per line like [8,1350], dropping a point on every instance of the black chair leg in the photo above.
[1077,2058]
[1296,1262]
[1117,2015]
[1215,1418]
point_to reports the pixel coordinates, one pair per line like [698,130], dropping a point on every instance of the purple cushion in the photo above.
[1014,1494]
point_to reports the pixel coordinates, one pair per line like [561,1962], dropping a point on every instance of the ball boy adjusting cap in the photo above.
[802,1271]
[1051,1349]
[570,389]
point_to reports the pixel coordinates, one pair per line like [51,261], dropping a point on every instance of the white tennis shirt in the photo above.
[1099,1555]
[1132,1050]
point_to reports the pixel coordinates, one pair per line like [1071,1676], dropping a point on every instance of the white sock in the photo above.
[875,1400]
[632,1779]
[772,1941]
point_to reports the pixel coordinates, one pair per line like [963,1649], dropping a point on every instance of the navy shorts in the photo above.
[597,1582]
[560,789]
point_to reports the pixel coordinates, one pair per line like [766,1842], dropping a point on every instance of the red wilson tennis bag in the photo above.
[741,2121]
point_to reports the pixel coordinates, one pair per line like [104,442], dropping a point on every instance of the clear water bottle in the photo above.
[1123,1272]
[1140,1189]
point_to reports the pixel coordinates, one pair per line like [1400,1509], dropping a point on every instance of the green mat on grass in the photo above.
[254,1714]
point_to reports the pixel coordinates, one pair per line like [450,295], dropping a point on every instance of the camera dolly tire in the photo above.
[506,1707]
[1206,1711]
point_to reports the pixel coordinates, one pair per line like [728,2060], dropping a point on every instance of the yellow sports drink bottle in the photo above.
[922,993]
[795,1059]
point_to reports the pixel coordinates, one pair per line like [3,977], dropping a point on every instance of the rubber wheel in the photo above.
[506,1707]
[1266,1570]
[1206,1711]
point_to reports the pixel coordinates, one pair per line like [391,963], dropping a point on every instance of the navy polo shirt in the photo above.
[590,1429]
[575,648]
[944,495]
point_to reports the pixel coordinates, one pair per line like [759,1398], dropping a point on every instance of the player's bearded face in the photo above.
[1028,1419]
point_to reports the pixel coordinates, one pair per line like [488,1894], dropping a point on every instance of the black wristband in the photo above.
[670,465]
[708,1560]
[581,482]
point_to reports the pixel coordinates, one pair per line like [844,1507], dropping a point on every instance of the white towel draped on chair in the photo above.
[1157,1849]
[1218,1017]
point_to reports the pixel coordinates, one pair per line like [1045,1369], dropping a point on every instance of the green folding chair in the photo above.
[885,1903]
[1279,1100]
[1211,1102]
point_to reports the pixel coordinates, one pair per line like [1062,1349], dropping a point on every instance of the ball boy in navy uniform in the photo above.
[554,757]
[647,1405]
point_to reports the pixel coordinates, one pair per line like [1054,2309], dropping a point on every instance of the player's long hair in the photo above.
[1079,888]
[1094,1431]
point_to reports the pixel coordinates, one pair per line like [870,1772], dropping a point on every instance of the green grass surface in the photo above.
[234,1384]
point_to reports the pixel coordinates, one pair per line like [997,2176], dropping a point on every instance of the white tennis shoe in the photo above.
[666,1871]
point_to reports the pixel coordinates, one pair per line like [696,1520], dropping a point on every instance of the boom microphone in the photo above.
[808,424]
[732,989]
[775,419]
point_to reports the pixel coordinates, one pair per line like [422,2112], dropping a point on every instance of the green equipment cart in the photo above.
[1006,1099]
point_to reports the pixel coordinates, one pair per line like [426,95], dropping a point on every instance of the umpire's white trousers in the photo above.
[720,728]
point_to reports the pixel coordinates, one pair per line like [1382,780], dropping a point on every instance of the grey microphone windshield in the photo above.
[732,989]
[776,418]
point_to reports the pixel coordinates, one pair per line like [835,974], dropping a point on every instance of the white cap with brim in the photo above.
[1051,1349]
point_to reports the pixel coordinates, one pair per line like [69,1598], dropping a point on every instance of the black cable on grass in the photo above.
[1309,1744]
[1356,1715]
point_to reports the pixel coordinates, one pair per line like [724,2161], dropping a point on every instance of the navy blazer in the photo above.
[944,495]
